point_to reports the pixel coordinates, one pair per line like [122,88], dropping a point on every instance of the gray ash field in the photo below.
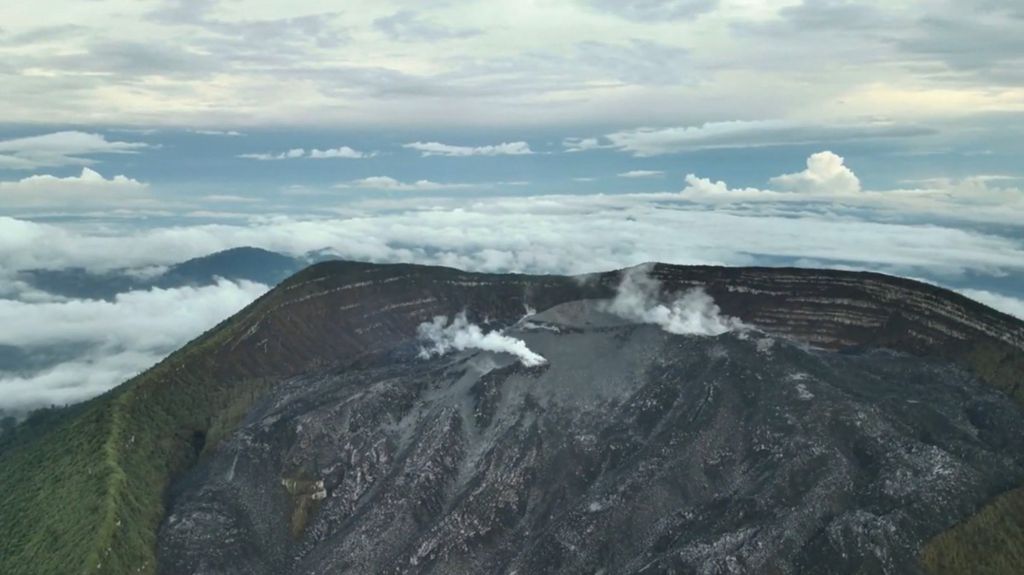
[631,450]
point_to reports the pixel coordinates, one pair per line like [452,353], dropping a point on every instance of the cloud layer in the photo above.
[825,174]
[656,10]
[959,233]
[89,188]
[342,152]
[440,337]
[438,149]
[461,64]
[817,219]
[408,26]
[68,148]
[1009,305]
[642,174]
[832,185]
[645,142]
[391,184]
[105,343]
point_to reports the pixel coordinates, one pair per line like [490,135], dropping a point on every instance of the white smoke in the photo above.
[693,312]
[441,337]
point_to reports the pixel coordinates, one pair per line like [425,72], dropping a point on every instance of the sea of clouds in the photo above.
[963,234]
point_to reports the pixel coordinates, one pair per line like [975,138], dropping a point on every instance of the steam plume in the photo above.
[693,312]
[439,338]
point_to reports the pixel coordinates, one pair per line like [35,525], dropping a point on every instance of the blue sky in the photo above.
[564,136]
[181,165]
[875,177]
[121,116]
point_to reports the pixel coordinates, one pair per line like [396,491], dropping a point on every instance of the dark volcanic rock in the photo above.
[631,451]
[334,312]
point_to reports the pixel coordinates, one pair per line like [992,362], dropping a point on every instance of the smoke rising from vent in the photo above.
[693,312]
[441,338]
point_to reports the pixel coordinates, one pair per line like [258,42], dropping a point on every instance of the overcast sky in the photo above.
[540,136]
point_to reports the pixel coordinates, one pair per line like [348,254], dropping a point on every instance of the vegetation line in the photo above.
[115,482]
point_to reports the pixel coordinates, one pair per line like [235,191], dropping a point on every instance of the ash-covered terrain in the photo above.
[813,424]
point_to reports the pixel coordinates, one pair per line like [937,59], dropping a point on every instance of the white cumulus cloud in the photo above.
[828,181]
[86,190]
[825,174]
[439,149]
[269,157]
[698,188]
[583,144]
[341,152]
[440,337]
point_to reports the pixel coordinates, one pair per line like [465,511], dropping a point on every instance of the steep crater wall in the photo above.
[340,310]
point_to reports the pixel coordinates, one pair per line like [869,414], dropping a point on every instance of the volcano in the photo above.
[364,418]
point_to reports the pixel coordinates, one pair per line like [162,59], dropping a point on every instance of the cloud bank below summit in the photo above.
[103,343]
[963,234]
[821,215]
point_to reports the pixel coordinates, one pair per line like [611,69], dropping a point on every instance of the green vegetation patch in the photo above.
[82,488]
[84,493]
[992,540]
